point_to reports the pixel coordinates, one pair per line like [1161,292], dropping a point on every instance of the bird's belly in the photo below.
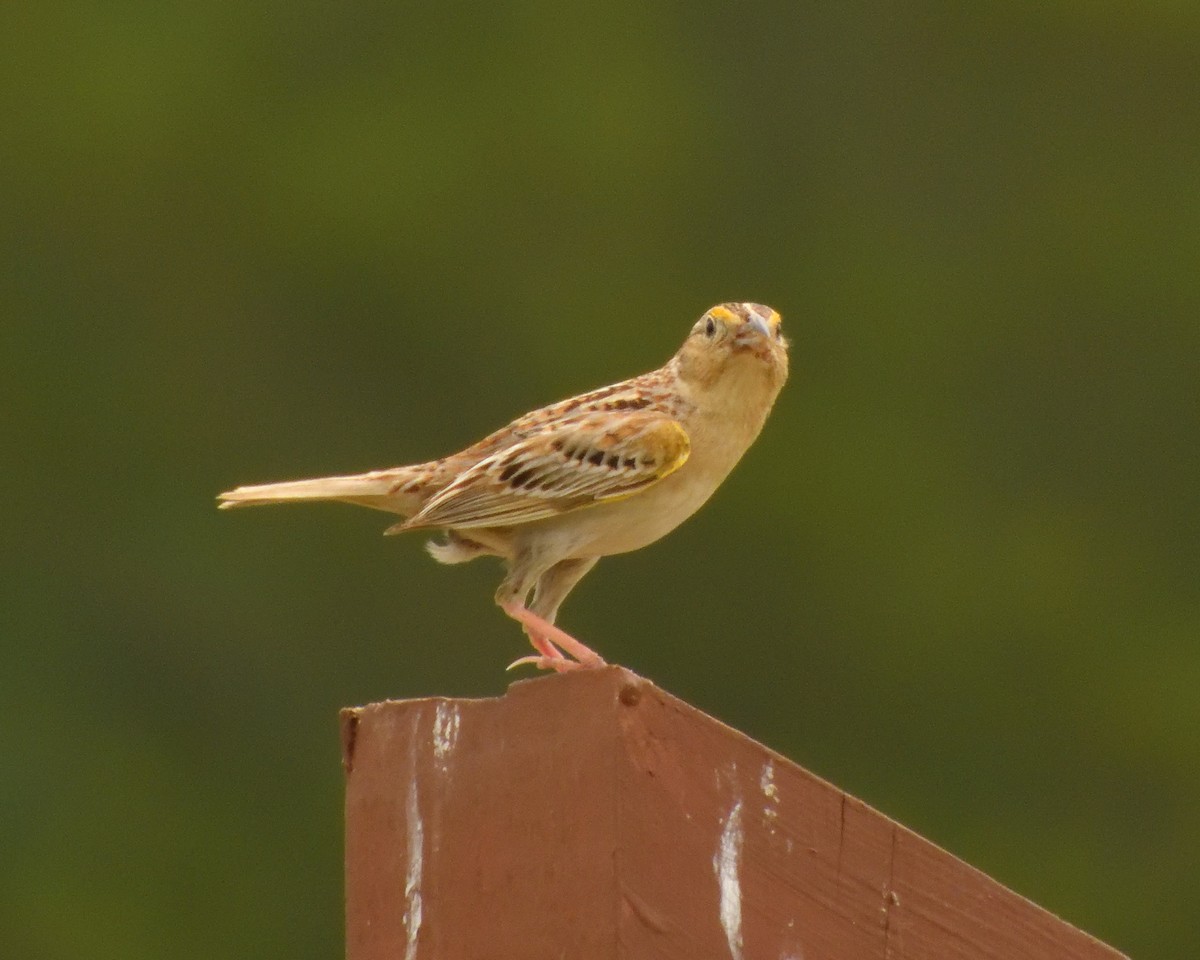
[634,522]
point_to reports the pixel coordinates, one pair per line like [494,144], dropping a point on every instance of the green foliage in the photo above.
[256,241]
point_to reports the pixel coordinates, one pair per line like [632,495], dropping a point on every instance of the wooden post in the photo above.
[591,816]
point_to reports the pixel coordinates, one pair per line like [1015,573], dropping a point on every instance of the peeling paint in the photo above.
[766,782]
[770,792]
[726,864]
[445,732]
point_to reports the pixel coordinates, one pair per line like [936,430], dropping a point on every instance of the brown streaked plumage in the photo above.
[605,472]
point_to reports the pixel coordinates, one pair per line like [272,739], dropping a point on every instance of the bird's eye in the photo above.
[710,328]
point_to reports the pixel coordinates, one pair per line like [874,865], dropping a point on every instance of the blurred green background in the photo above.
[255,241]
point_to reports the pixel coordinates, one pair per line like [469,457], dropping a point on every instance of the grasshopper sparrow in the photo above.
[602,473]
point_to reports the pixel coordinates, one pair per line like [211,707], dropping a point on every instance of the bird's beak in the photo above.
[759,324]
[752,330]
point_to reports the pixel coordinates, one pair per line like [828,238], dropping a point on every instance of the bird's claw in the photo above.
[557,664]
[547,639]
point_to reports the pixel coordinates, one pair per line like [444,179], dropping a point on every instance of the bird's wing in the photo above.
[572,463]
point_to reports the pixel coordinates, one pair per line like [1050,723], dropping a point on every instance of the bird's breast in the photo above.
[640,519]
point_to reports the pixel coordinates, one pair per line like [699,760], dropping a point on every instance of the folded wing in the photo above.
[574,463]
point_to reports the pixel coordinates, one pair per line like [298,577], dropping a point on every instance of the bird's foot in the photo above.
[557,663]
[557,649]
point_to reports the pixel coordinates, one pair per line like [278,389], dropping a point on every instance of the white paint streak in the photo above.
[445,733]
[412,881]
[726,863]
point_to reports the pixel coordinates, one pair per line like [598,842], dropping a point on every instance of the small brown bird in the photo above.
[605,472]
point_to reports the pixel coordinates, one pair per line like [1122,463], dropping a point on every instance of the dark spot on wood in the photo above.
[614,461]
[630,463]
[508,471]
[597,458]
[522,478]
[580,454]
[558,445]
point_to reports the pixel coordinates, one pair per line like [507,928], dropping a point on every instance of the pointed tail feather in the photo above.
[367,489]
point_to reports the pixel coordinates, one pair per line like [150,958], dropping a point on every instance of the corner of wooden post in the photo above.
[593,815]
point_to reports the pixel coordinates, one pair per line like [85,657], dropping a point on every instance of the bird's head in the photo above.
[735,342]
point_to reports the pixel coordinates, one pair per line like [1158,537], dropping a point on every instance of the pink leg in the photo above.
[551,657]
[543,646]
[546,638]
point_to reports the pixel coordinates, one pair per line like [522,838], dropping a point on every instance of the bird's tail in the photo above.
[381,490]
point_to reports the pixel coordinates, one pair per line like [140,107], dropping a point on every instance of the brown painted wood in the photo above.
[591,816]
